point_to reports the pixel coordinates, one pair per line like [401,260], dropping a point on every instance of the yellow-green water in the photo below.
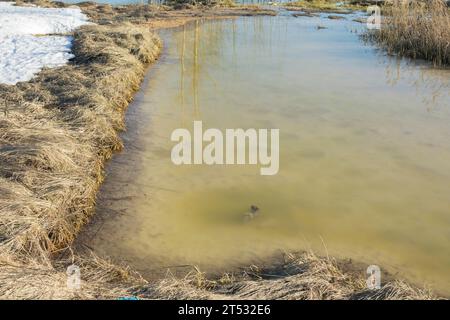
[364,153]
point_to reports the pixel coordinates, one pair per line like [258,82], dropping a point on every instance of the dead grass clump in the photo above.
[303,276]
[100,279]
[396,290]
[57,130]
[417,29]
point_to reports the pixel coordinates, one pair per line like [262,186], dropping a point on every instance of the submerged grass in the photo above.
[416,29]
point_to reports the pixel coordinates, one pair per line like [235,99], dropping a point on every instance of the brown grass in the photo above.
[302,276]
[56,132]
[100,280]
[417,29]
[329,6]
[156,15]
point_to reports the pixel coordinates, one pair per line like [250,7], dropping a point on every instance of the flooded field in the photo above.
[364,153]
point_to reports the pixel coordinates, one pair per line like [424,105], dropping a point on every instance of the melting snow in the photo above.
[23,49]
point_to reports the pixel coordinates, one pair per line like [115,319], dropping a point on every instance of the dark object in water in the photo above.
[251,214]
[334,17]
[303,14]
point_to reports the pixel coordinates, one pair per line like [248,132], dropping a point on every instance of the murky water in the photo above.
[364,153]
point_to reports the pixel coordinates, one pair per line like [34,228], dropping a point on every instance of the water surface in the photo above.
[364,153]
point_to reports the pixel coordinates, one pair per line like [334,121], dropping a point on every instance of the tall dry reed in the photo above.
[417,29]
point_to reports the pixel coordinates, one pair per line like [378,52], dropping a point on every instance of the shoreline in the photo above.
[82,122]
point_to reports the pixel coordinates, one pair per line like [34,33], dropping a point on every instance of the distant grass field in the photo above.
[325,5]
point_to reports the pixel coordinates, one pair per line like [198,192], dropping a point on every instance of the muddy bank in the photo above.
[57,131]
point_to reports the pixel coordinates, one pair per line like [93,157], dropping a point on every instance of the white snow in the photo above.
[23,49]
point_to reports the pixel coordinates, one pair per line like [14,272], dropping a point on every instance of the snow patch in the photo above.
[22,53]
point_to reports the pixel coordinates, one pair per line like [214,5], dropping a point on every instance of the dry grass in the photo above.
[57,130]
[329,6]
[100,279]
[417,29]
[302,276]
[160,15]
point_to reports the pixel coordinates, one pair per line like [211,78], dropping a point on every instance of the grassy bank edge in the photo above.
[57,131]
